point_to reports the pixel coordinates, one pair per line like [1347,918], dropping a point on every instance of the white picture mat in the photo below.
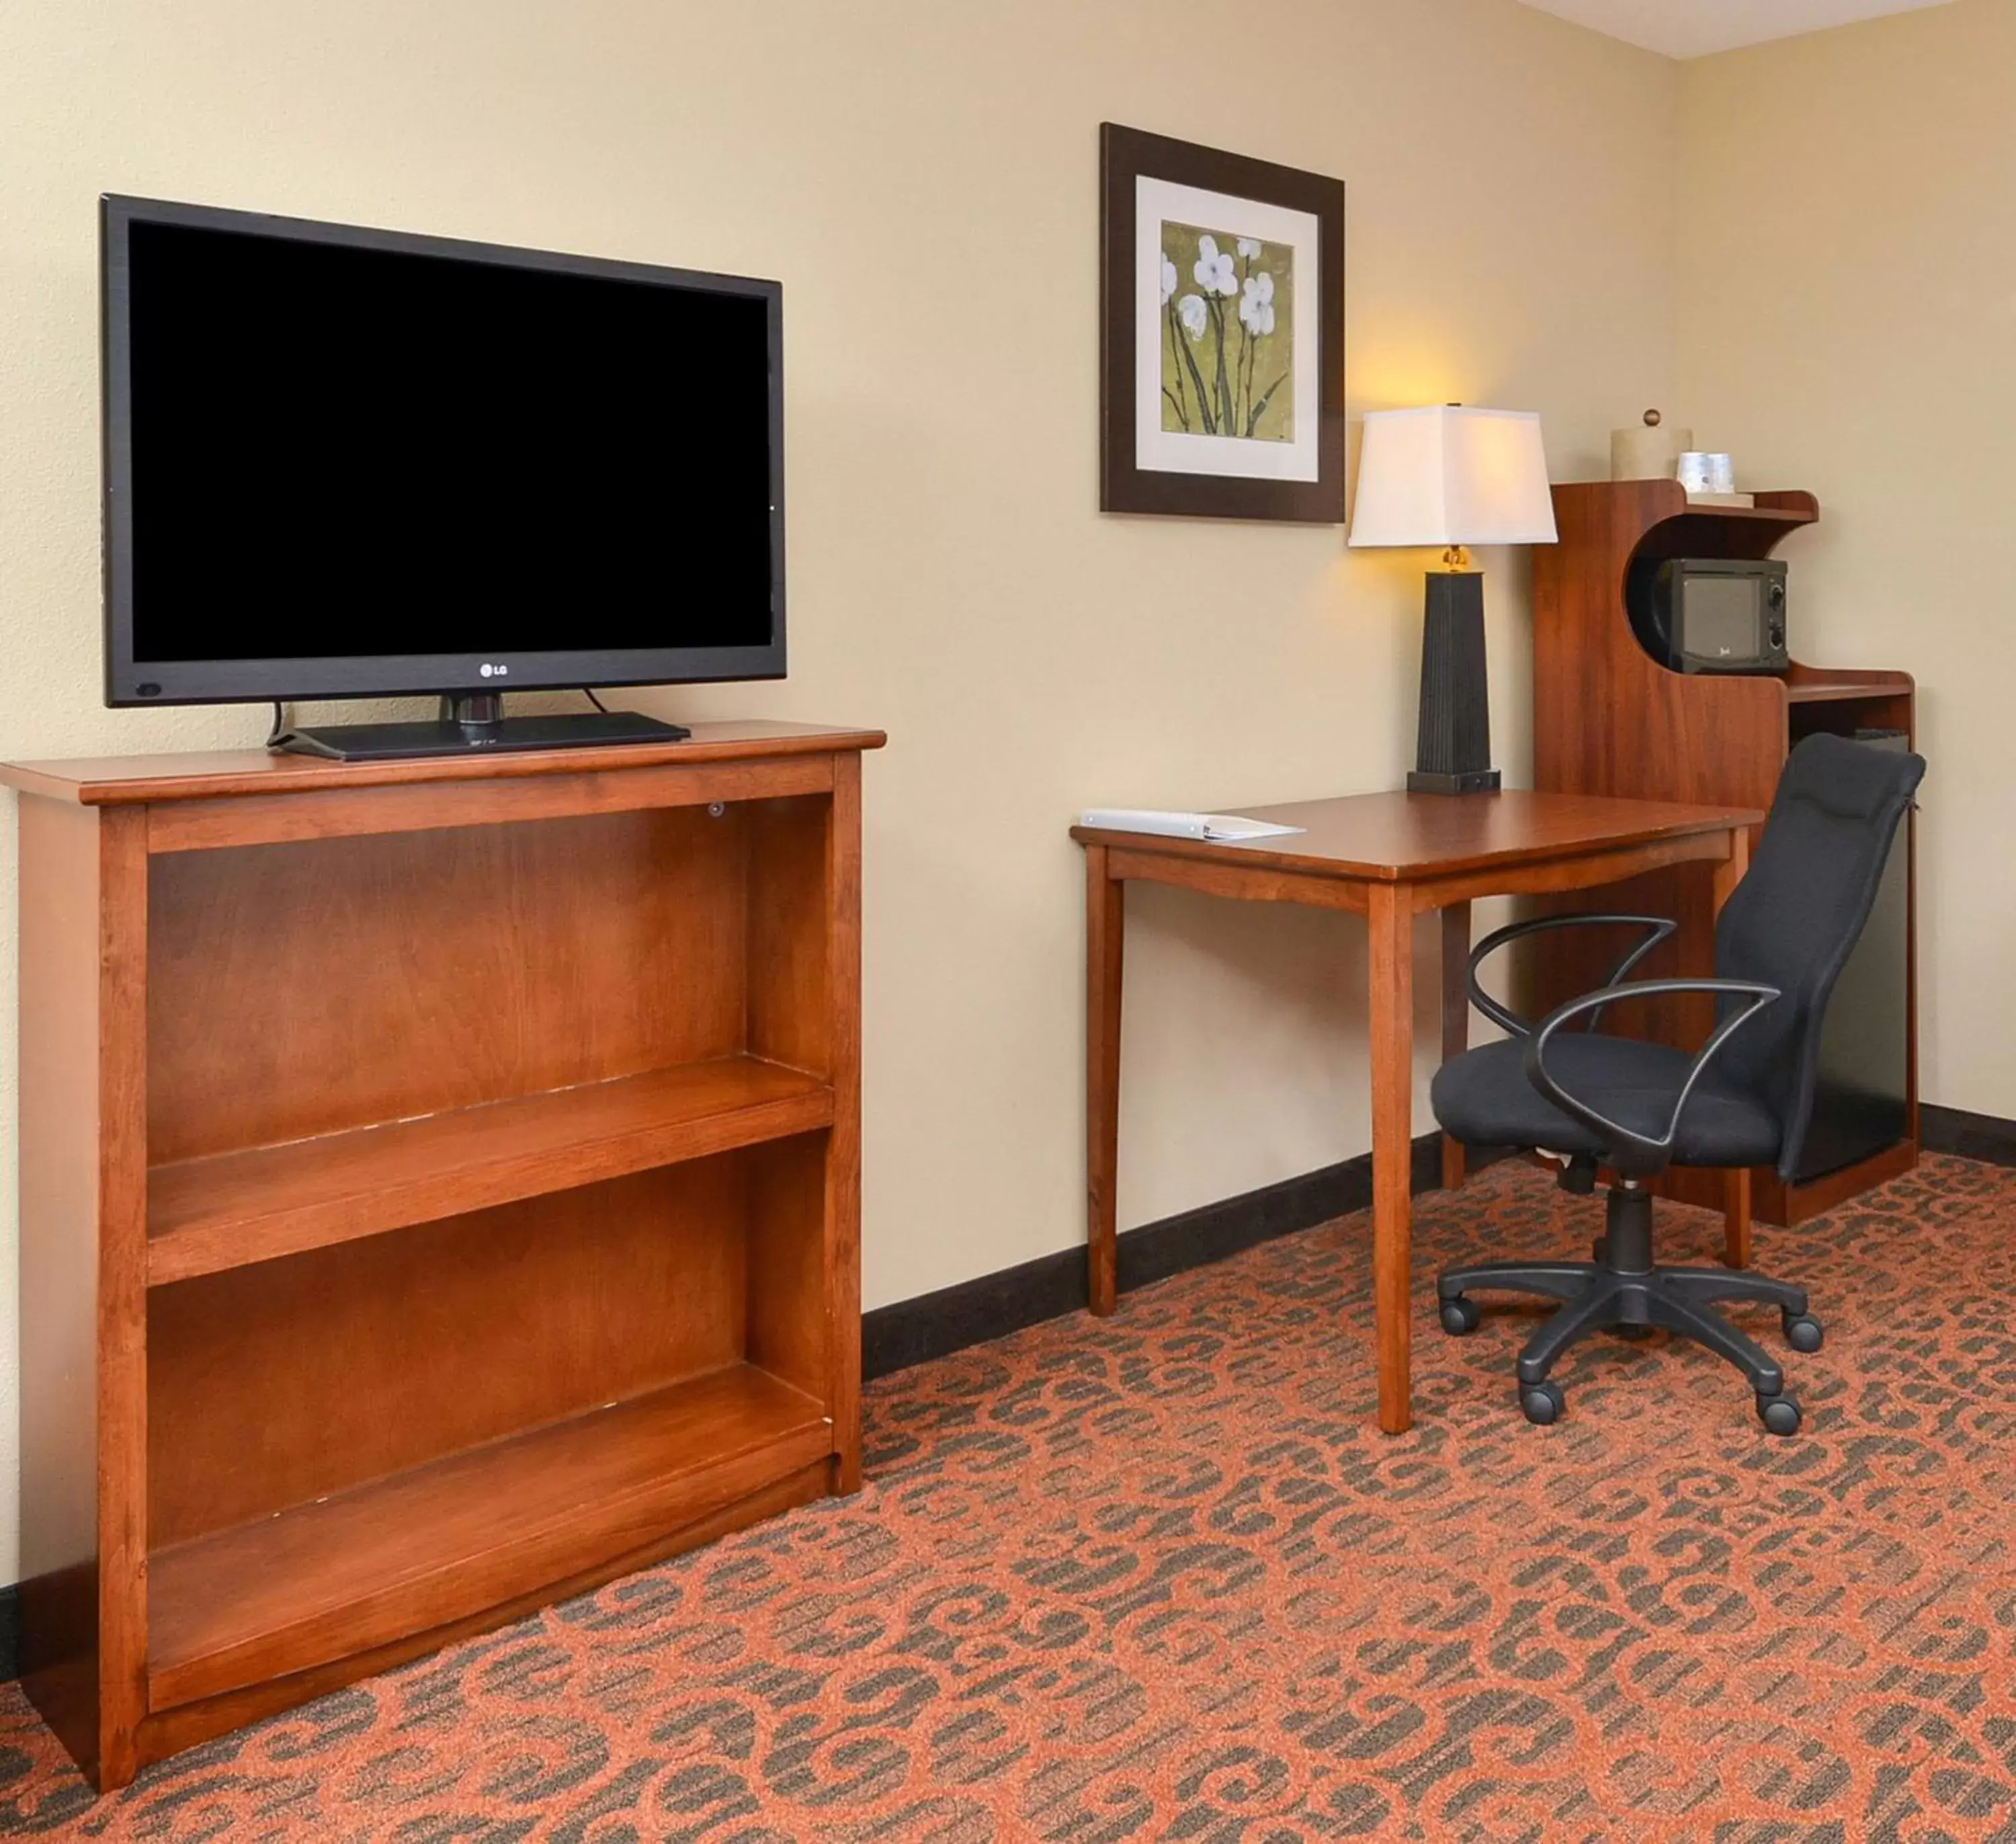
[1160,201]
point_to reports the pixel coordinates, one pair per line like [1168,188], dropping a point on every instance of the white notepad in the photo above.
[1180,826]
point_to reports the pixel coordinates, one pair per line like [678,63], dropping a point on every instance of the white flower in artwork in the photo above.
[1190,310]
[1249,247]
[1214,267]
[1256,309]
[1168,278]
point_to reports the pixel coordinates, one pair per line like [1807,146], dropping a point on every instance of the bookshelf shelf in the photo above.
[433,1544]
[206,1215]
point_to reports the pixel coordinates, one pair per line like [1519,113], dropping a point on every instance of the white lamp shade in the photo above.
[1453,475]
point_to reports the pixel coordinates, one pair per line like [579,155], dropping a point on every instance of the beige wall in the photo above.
[1848,292]
[922,176]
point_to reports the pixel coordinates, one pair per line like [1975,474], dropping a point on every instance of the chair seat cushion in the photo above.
[1484,1099]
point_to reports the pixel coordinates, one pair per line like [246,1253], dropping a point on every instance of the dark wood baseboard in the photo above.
[914,1331]
[1983,1137]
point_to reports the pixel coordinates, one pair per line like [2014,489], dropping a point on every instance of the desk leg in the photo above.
[1455,1019]
[1105,934]
[1736,1192]
[1388,913]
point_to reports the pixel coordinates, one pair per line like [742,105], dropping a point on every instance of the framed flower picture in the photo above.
[1221,340]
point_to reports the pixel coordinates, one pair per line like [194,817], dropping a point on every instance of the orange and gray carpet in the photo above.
[1158,1579]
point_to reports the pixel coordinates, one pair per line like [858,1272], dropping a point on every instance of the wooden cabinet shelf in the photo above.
[206,1214]
[423,1548]
[440,1195]
[1816,685]
[1761,514]
[1655,519]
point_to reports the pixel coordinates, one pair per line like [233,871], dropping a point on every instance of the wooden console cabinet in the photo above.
[1608,719]
[439,1194]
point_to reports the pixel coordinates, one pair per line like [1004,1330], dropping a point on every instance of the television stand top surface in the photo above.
[114,780]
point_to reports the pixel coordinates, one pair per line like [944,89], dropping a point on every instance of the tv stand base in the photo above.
[475,726]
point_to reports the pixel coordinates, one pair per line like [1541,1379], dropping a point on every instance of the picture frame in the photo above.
[1222,333]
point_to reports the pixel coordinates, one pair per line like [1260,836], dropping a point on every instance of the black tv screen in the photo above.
[343,462]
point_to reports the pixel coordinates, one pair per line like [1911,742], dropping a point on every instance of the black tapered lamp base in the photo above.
[1427,781]
[1453,753]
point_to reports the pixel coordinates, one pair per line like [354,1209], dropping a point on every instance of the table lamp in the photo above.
[1452,476]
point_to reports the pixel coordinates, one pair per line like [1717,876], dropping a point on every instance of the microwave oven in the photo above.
[1709,615]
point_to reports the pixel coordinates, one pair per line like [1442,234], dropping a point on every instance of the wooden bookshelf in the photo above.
[1608,719]
[451,1170]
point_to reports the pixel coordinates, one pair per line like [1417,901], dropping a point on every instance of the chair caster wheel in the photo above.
[1598,1249]
[1803,1331]
[1633,1332]
[1460,1316]
[1779,1414]
[1541,1402]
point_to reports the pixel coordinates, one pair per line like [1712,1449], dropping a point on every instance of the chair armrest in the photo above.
[1633,1153]
[1510,1021]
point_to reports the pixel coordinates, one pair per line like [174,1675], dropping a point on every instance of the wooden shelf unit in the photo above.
[1609,719]
[448,1173]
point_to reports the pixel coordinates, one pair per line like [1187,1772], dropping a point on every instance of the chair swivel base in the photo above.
[1623,1291]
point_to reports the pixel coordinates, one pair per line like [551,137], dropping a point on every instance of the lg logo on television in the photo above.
[490,672]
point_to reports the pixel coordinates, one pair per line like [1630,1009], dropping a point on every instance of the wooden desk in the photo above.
[1387,857]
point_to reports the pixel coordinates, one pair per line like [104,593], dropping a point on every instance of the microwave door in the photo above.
[1721,621]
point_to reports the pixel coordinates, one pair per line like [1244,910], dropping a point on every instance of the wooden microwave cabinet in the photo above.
[1607,719]
[440,1194]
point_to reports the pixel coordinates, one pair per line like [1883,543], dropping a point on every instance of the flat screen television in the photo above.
[343,462]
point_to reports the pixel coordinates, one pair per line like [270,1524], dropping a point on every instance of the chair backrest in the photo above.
[1795,917]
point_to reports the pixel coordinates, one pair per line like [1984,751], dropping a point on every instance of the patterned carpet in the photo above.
[1156,1579]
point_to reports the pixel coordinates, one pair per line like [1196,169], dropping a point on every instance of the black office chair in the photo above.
[1744,1100]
